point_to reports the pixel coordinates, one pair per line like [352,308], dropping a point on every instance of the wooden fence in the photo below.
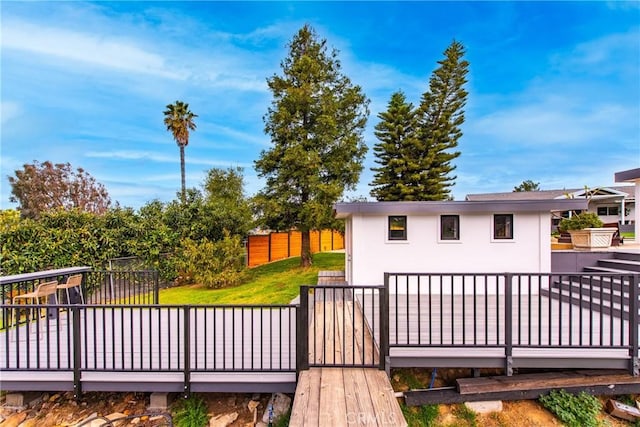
[262,249]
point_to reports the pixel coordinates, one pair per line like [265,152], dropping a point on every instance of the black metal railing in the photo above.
[97,287]
[152,338]
[122,287]
[347,325]
[540,311]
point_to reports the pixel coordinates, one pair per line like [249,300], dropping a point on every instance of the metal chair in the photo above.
[74,281]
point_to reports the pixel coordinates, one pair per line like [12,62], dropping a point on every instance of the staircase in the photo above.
[606,294]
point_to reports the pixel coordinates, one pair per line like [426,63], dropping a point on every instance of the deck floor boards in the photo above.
[346,395]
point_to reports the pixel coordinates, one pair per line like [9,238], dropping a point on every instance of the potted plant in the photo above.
[586,231]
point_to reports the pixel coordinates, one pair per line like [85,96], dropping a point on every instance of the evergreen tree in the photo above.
[441,114]
[315,122]
[527,185]
[398,177]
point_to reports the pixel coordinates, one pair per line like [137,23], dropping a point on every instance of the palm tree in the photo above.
[179,121]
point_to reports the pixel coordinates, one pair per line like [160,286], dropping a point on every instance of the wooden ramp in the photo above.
[344,397]
[344,385]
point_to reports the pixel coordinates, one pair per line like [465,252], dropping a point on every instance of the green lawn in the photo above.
[275,283]
[628,234]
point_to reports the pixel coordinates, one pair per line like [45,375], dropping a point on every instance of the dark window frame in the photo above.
[508,226]
[608,211]
[395,235]
[456,228]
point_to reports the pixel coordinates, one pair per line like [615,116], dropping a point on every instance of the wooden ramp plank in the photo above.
[385,404]
[306,403]
[333,407]
[358,399]
[365,349]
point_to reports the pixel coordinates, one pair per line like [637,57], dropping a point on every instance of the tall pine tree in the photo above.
[315,121]
[441,114]
[398,177]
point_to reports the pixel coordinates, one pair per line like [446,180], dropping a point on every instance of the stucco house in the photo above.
[449,236]
[614,204]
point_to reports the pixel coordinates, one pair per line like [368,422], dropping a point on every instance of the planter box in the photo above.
[592,238]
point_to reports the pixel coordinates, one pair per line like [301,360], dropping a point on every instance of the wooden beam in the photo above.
[449,395]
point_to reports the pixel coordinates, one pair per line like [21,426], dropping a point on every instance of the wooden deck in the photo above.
[328,394]
[143,349]
[463,331]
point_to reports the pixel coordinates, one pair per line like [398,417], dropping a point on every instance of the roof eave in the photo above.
[344,210]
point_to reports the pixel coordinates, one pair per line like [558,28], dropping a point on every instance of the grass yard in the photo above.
[275,283]
[628,234]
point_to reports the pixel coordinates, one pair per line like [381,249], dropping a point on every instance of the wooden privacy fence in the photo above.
[262,249]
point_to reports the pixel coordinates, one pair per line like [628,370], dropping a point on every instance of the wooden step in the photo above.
[544,381]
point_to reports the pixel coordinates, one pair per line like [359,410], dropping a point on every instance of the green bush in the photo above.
[212,264]
[191,412]
[574,410]
[580,221]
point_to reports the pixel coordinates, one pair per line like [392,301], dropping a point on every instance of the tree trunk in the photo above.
[306,258]
[183,188]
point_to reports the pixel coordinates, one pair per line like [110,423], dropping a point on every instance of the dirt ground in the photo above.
[60,409]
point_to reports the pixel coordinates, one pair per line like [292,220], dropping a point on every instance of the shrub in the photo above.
[213,264]
[580,221]
[574,410]
[191,412]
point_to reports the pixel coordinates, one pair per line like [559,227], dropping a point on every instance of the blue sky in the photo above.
[554,88]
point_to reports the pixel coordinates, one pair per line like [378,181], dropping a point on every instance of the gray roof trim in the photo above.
[622,190]
[628,175]
[344,210]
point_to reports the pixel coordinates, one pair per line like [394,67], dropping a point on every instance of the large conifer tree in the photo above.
[315,122]
[441,114]
[398,177]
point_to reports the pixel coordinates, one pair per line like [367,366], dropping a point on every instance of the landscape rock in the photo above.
[485,407]
[30,422]
[15,420]
[278,405]
[223,420]
[253,408]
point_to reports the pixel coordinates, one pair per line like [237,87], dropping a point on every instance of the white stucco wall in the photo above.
[369,254]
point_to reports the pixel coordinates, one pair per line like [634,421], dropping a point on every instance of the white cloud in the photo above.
[84,47]
[160,158]
[9,111]
[549,122]
[609,54]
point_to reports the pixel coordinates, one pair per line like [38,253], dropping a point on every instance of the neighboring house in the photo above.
[447,237]
[612,204]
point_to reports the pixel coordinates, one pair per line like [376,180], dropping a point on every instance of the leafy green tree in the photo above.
[315,121]
[527,185]
[440,116]
[226,205]
[400,172]
[179,121]
[40,187]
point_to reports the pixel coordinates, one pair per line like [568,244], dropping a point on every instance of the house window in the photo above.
[503,226]
[449,227]
[397,228]
[608,210]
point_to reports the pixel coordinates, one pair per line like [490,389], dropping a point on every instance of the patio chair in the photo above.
[40,296]
[74,281]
